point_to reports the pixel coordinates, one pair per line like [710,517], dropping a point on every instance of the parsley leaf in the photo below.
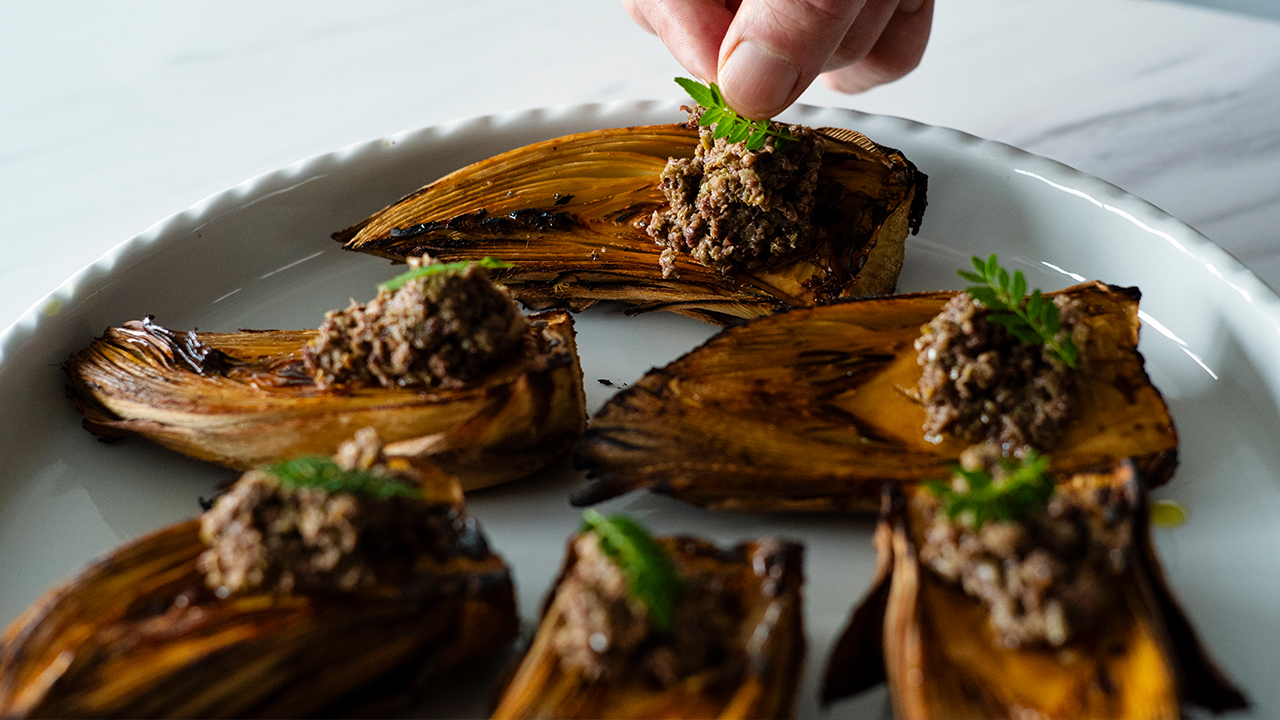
[976,497]
[401,280]
[315,471]
[1033,318]
[651,576]
[728,123]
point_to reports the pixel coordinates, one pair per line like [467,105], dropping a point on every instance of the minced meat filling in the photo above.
[607,634]
[981,384]
[442,330]
[264,535]
[737,209]
[1045,579]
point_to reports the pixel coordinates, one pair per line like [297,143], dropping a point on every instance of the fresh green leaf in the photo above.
[700,93]
[728,123]
[651,576]
[1032,319]
[401,280]
[716,98]
[315,471]
[1025,487]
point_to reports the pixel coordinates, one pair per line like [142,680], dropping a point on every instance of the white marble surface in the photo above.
[117,115]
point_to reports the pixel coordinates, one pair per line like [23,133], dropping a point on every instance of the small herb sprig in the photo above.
[315,471]
[977,497]
[728,123]
[399,281]
[651,577]
[1033,318]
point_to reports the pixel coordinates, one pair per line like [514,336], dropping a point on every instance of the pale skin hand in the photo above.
[765,53]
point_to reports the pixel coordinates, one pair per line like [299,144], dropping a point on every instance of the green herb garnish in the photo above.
[651,576]
[1033,318]
[315,471]
[729,124]
[977,498]
[399,281]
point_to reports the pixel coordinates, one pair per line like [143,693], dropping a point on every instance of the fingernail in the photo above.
[756,81]
[908,7]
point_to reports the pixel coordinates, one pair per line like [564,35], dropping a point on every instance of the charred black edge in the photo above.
[920,201]
[532,218]
[917,180]
[856,662]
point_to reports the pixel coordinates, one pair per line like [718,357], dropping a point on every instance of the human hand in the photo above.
[764,53]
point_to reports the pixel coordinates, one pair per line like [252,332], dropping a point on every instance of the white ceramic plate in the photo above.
[259,256]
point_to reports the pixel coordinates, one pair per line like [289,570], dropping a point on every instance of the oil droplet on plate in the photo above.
[1167,514]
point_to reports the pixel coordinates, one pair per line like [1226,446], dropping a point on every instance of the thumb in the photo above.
[774,49]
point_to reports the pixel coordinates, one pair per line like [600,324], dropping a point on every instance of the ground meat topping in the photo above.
[268,535]
[607,633]
[981,384]
[442,330]
[1045,579]
[736,209]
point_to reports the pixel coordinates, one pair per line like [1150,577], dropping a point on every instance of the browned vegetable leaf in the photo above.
[756,677]
[242,400]
[813,409]
[139,634]
[935,645]
[570,214]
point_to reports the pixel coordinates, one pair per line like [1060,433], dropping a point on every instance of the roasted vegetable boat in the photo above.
[816,408]
[312,587]
[244,399]
[675,628]
[574,216]
[1064,613]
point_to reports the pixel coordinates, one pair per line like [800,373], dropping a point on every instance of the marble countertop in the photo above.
[116,116]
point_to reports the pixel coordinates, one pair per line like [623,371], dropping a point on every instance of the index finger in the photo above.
[774,49]
[692,30]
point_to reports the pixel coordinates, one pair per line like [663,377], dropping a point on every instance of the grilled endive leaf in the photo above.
[812,409]
[242,400]
[138,634]
[758,680]
[570,215]
[935,646]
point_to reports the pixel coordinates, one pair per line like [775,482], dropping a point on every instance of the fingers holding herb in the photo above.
[728,123]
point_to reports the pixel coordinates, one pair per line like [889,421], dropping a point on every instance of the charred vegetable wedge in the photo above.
[716,634]
[1119,647]
[572,215]
[244,399]
[314,587]
[815,408]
